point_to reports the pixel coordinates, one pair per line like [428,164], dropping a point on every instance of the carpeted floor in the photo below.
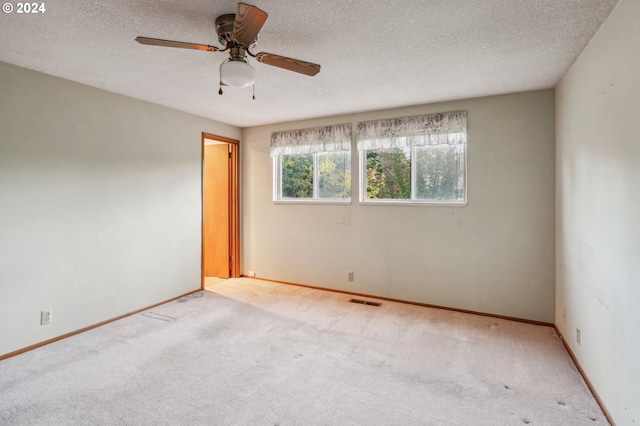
[209,281]
[249,352]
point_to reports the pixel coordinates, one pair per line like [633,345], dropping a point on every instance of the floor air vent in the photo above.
[365,302]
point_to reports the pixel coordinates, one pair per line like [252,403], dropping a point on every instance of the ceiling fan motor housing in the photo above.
[224,29]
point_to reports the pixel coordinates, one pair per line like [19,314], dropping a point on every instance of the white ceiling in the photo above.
[374,54]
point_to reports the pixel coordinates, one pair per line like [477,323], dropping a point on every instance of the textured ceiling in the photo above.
[374,54]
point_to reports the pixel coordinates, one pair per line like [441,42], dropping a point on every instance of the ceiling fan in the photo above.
[238,33]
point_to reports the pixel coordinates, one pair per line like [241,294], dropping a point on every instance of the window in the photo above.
[419,159]
[312,164]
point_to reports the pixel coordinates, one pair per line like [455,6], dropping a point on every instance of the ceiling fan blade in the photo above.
[249,20]
[290,64]
[171,43]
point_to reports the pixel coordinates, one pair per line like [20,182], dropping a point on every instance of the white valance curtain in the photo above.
[307,141]
[447,128]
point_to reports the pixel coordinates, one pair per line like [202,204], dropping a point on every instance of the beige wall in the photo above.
[598,211]
[494,255]
[99,204]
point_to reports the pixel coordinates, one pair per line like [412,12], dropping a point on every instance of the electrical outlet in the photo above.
[46,317]
[251,274]
[578,335]
[350,276]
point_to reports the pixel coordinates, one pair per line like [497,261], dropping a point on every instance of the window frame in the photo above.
[277,182]
[362,175]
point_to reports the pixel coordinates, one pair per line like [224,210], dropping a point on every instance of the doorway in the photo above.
[220,207]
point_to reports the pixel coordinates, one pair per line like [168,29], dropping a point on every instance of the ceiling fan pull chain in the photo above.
[254,91]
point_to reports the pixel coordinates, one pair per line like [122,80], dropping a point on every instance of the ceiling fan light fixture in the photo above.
[236,72]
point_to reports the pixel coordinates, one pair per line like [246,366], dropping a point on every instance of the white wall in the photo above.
[598,210]
[99,204]
[494,255]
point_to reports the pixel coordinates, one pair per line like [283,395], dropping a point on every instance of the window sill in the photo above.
[413,203]
[326,202]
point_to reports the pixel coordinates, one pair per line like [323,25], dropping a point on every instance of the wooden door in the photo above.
[216,217]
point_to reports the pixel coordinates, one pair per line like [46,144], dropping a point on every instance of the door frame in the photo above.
[234,204]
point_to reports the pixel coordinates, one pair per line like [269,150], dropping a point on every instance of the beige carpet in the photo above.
[250,352]
[209,281]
